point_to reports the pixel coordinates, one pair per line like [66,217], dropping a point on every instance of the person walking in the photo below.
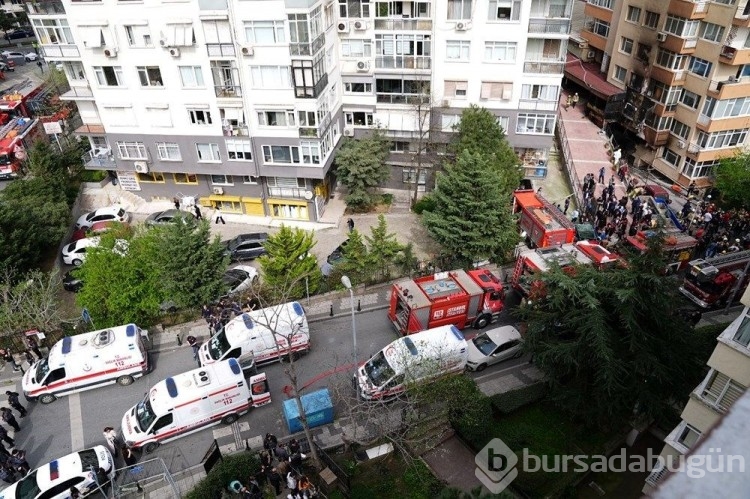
[601,175]
[5,438]
[10,359]
[193,342]
[350,224]
[176,202]
[128,455]
[219,216]
[15,403]
[110,435]
[39,65]
[10,419]
[198,214]
[575,100]
[566,205]
[273,478]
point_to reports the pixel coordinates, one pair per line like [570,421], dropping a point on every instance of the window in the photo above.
[687,436]
[500,51]
[399,146]
[221,180]
[239,149]
[74,71]
[289,183]
[459,9]
[168,151]
[504,122]
[535,123]
[712,32]
[626,45]
[357,88]
[541,92]
[401,91]
[151,177]
[409,175]
[109,76]
[132,150]
[358,118]
[634,14]
[670,156]
[150,76]
[356,9]
[356,48]
[680,129]
[200,116]
[208,152]
[185,178]
[505,10]
[455,89]
[191,76]
[722,139]
[700,67]
[249,179]
[496,91]
[138,36]
[742,336]
[601,28]
[306,75]
[276,118]
[179,35]
[306,118]
[701,169]
[651,20]
[670,60]
[310,152]
[449,122]
[457,50]
[721,391]
[679,26]
[727,108]
[270,77]
[281,154]
[620,73]
[690,99]
[264,32]
[53,31]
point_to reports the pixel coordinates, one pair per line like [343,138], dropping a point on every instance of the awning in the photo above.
[588,76]
[286,202]
[230,199]
[251,200]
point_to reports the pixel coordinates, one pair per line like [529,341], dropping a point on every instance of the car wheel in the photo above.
[481,367]
[47,398]
[482,321]
[150,447]
[520,352]
[229,419]
[77,262]
[125,380]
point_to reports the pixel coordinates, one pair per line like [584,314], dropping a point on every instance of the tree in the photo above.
[6,22]
[356,263]
[733,179]
[611,343]
[31,300]
[384,248]
[471,219]
[479,132]
[361,168]
[289,265]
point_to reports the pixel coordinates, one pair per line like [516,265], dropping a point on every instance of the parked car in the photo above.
[246,246]
[72,283]
[167,217]
[337,255]
[493,346]
[7,66]
[97,228]
[19,34]
[239,279]
[55,479]
[9,54]
[110,213]
[658,192]
[31,56]
[75,252]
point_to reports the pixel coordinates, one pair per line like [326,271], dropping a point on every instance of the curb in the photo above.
[345,314]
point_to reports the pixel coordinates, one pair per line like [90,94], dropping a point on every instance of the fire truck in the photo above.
[531,261]
[544,224]
[458,297]
[710,282]
[678,247]
[16,137]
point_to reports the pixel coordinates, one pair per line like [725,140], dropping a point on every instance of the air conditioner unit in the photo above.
[141,167]
[343,27]
[661,36]
[248,51]
[681,144]
[363,66]
[463,26]
[218,191]
[360,25]
[111,52]
[348,132]
[583,45]
[174,52]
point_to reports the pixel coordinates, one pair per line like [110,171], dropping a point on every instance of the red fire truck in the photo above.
[544,224]
[710,282]
[461,298]
[531,261]
[678,247]
[16,137]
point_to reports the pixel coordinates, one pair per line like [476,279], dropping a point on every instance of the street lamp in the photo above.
[348,285]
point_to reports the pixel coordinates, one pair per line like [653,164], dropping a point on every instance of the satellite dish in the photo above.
[309,195]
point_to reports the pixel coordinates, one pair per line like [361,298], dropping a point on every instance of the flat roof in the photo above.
[567,254]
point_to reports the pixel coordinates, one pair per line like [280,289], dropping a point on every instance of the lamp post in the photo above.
[348,285]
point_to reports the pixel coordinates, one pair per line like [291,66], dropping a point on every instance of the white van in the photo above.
[259,337]
[411,359]
[192,401]
[86,361]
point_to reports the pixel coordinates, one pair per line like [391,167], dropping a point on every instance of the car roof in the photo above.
[503,334]
[87,242]
[247,268]
[58,470]
[252,236]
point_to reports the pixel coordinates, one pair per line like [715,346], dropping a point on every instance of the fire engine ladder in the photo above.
[721,260]
[556,213]
[7,128]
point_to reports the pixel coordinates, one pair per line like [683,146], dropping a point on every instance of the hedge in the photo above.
[510,401]
[240,466]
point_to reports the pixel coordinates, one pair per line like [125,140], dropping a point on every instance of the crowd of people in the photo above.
[13,464]
[717,231]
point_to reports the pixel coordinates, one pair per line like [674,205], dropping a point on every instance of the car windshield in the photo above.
[90,216]
[484,344]
[28,488]
[144,414]
[217,345]
[41,370]
[378,370]
[89,459]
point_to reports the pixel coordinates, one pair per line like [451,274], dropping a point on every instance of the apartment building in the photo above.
[683,66]
[12,8]
[727,379]
[242,103]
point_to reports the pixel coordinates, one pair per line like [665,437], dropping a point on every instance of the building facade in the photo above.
[685,67]
[242,103]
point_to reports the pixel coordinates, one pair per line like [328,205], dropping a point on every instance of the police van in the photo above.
[412,359]
[86,361]
[260,336]
[191,401]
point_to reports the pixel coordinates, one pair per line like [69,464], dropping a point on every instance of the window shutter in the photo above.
[734,391]
[486,91]
[496,91]
[462,85]
[93,37]
[715,386]
[507,91]
[450,89]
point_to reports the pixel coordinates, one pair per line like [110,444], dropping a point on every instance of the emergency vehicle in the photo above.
[600,256]
[412,359]
[532,261]
[710,282]
[16,138]
[542,222]
[678,247]
[191,401]
[259,337]
[458,297]
[87,361]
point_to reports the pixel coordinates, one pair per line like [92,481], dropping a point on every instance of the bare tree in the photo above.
[29,301]
[422,110]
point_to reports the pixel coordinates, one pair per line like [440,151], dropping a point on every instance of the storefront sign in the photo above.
[128,181]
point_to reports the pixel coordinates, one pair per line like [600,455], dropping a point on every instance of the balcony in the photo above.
[308,49]
[286,192]
[236,131]
[403,62]
[669,77]
[742,15]
[655,137]
[690,9]
[100,161]
[220,50]
[593,10]
[729,89]
[550,27]
[78,93]
[736,56]
[90,129]
[48,8]
[679,45]
[537,105]
[226,79]
[553,66]
[308,132]
[60,51]
[541,9]
[403,24]
[402,98]
[657,475]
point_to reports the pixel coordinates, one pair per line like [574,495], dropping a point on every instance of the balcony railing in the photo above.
[403,62]
[103,161]
[226,80]
[55,51]
[45,8]
[220,49]
[83,93]
[544,67]
[286,192]
[551,26]
[537,105]
[236,131]
[693,148]
[228,90]
[403,99]
[404,24]
[657,475]
[308,132]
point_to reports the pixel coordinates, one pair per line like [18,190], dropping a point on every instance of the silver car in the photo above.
[493,346]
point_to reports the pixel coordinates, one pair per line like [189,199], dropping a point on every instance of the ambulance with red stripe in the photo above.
[191,401]
[410,360]
[87,361]
[259,337]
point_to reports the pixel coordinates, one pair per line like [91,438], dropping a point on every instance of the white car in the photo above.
[75,252]
[54,480]
[110,213]
[31,56]
[493,346]
[239,279]
[8,53]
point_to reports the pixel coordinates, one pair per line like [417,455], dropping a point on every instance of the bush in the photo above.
[510,401]
[92,175]
[425,203]
[235,467]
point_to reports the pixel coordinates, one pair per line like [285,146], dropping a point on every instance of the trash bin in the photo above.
[318,410]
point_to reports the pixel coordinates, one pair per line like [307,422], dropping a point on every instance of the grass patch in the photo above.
[91,175]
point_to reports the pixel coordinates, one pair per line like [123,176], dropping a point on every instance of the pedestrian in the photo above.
[291,481]
[8,357]
[270,442]
[6,474]
[281,453]
[10,419]
[295,460]
[691,188]
[293,446]
[29,357]
[110,435]
[219,216]
[539,191]
[273,478]
[176,202]
[574,216]
[39,65]
[32,345]
[198,214]
[566,205]
[128,455]
[18,460]
[266,459]
[206,313]
[350,224]
[193,342]
[568,102]
[575,100]
[4,437]
[15,403]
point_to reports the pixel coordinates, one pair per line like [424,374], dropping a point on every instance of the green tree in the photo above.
[733,179]
[470,218]
[356,263]
[6,22]
[384,248]
[361,168]
[610,342]
[288,263]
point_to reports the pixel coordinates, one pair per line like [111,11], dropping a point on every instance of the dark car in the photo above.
[658,192]
[167,217]
[246,246]
[337,255]
[72,283]
[19,34]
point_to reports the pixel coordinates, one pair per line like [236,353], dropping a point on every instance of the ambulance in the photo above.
[191,401]
[87,361]
[259,337]
[412,359]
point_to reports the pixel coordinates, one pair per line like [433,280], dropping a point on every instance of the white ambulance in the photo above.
[192,401]
[412,359]
[86,361]
[259,337]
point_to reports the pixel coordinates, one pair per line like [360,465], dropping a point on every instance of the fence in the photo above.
[567,158]
[146,477]
[344,482]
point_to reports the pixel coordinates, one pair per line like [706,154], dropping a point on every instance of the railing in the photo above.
[703,119]
[556,26]
[307,48]
[657,475]
[402,99]
[45,8]
[567,157]
[544,67]
[237,131]
[287,192]
[54,51]
[693,148]
[78,92]
[220,49]
[106,161]
[308,132]
[403,62]
[228,90]
[403,24]
[538,105]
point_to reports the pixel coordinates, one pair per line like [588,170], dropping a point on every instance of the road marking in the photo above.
[76,421]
